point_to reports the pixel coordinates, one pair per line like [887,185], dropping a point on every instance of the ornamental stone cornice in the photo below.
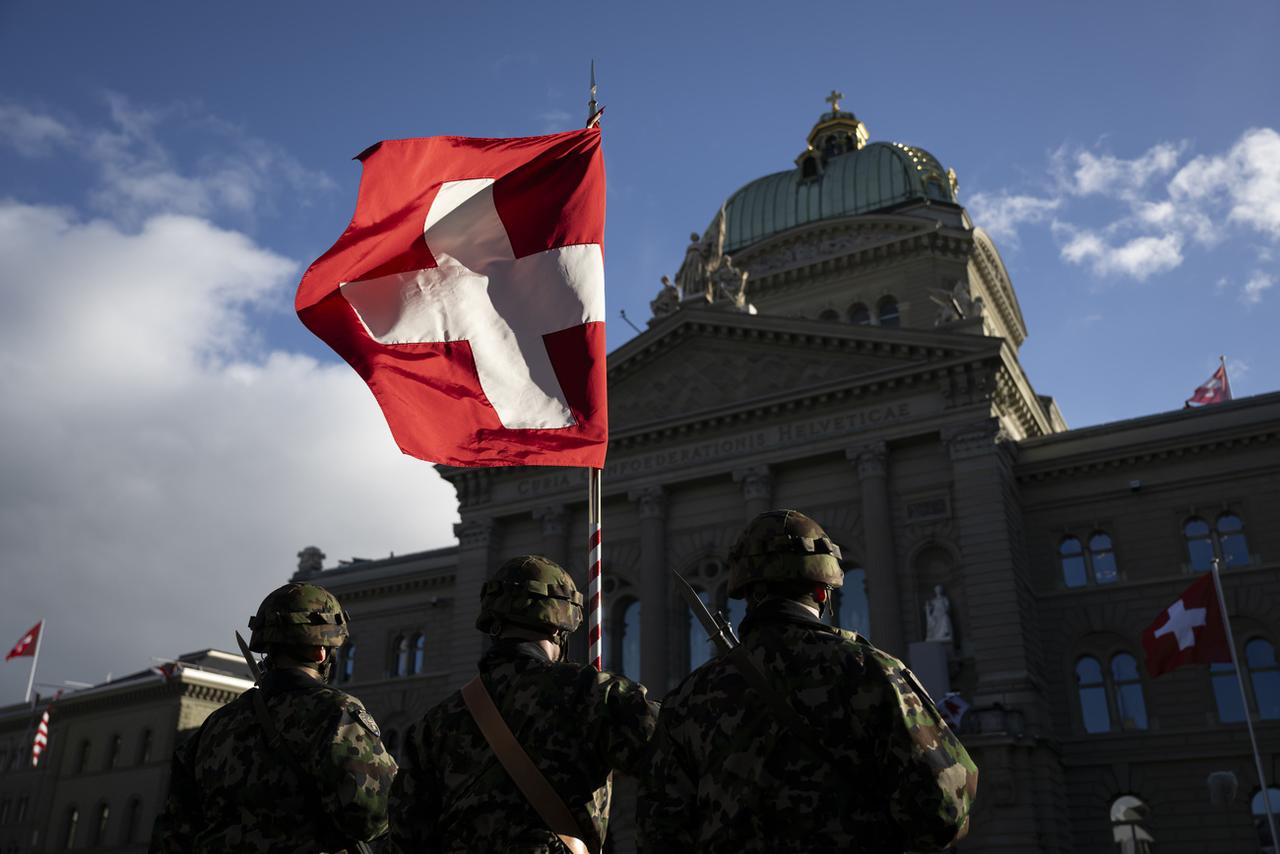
[397,587]
[757,482]
[871,459]
[859,243]
[975,439]
[554,518]
[650,500]
[475,533]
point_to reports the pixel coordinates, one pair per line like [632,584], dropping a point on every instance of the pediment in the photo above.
[709,360]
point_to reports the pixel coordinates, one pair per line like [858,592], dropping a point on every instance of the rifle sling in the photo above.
[535,787]
[276,742]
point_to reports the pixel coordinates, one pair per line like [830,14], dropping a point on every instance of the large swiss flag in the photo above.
[468,291]
[1190,631]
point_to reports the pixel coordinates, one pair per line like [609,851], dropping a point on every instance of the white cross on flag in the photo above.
[1189,631]
[27,645]
[468,291]
[1216,389]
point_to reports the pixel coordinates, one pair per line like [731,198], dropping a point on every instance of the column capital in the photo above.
[871,458]
[757,482]
[553,518]
[475,533]
[652,501]
[974,438]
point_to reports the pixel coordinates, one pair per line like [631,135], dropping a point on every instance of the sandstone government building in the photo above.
[867,373]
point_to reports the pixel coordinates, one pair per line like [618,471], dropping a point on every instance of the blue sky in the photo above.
[168,171]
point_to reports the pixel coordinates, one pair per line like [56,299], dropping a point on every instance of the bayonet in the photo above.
[716,627]
[249,659]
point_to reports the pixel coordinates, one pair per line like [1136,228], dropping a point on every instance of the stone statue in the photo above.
[691,278]
[731,284]
[667,300]
[937,612]
[702,259]
[310,561]
[955,304]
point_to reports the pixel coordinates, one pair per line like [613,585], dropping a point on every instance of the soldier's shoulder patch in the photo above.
[366,720]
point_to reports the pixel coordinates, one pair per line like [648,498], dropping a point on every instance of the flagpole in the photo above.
[595,627]
[31,680]
[1244,700]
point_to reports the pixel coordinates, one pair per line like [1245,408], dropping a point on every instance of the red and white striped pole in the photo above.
[41,741]
[595,624]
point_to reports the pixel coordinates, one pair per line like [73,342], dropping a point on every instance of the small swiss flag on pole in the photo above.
[468,292]
[27,645]
[1216,389]
[1190,631]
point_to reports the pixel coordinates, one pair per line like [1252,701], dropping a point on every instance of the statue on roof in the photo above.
[955,304]
[667,300]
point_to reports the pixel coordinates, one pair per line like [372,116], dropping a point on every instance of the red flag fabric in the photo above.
[468,292]
[1216,389]
[1189,631]
[26,646]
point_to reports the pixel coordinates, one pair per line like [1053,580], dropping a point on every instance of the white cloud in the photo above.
[1251,293]
[1245,180]
[1000,214]
[161,467]
[138,175]
[1107,175]
[31,134]
[1138,258]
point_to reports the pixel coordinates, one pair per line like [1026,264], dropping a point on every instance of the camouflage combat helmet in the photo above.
[301,615]
[530,591]
[783,545]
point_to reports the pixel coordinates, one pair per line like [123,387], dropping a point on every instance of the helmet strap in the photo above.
[822,595]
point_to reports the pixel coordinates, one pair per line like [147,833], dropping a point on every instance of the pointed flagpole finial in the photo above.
[593,110]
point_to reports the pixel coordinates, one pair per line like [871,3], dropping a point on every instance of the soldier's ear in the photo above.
[318,653]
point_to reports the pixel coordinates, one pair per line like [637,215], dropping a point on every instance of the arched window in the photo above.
[100,828]
[1232,546]
[1225,541]
[859,314]
[1071,555]
[829,314]
[73,819]
[628,643]
[347,667]
[1199,544]
[82,760]
[1264,676]
[1226,692]
[850,608]
[1258,807]
[132,818]
[419,652]
[1102,558]
[113,754]
[699,643]
[400,651]
[1128,690]
[144,747]
[1095,711]
[887,311]
[1128,820]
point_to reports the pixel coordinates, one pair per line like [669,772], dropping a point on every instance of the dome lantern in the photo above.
[836,132]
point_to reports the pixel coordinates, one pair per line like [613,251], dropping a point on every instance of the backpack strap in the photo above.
[535,787]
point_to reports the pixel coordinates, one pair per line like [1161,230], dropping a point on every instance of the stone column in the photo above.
[757,489]
[651,502]
[477,545]
[882,565]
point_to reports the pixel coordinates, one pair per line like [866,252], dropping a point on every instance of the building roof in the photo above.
[836,176]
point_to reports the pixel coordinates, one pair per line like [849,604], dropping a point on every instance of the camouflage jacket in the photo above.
[576,724]
[229,791]
[726,776]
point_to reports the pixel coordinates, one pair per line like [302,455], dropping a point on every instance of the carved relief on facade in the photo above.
[802,251]
[975,439]
[757,483]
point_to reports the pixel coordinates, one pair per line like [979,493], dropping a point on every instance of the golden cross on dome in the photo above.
[834,100]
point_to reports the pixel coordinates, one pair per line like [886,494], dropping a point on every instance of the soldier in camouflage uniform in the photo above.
[576,723]
[318,783]
[875,769]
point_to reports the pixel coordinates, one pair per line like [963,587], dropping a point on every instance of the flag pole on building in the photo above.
[35,657]
[595,625]
[1244,699]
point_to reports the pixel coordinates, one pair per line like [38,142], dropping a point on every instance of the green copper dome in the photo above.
[834,179]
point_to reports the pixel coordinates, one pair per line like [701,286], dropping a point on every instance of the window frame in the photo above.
[895,317]
[1111,684]
[1214,538]
[1089,557]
